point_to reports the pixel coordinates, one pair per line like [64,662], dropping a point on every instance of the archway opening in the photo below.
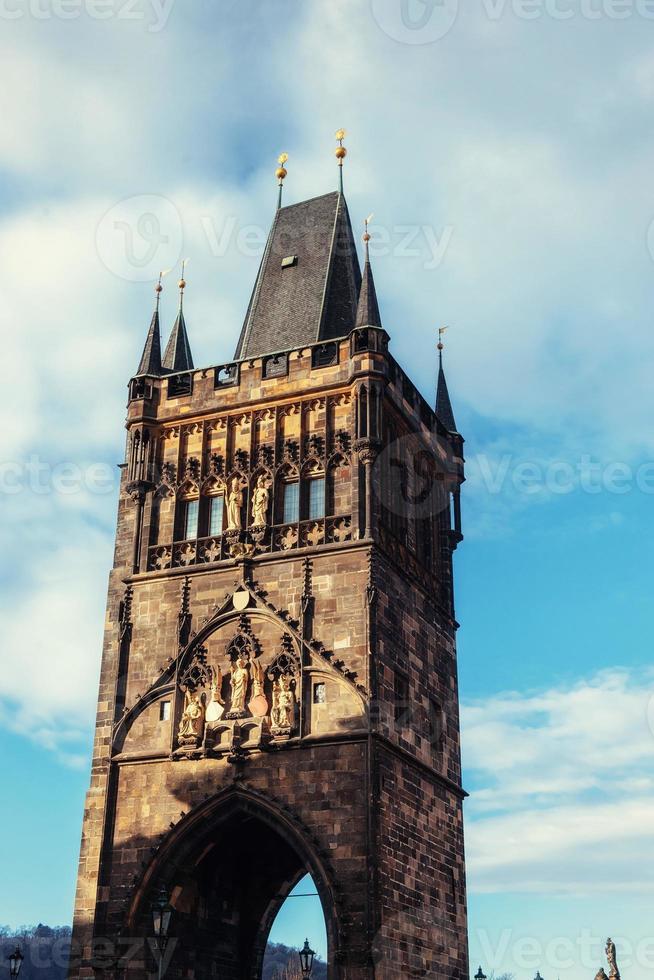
[301,916]
[228,877]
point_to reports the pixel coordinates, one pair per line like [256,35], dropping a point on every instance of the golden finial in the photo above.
[441,331]
[182,282]
[340,153]
[159,288]
[280,174]
[366,234]
[281,171]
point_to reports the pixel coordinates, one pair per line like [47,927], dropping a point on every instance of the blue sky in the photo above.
[506,151]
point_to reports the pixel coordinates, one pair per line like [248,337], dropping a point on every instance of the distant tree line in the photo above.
[47,950]
[282,963]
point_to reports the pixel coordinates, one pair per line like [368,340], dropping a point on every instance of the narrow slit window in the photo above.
[216,512]
[164,711]
[191,519]
[291,509]
[316,499]
[320,693]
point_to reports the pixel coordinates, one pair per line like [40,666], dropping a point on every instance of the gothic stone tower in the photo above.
[279,684]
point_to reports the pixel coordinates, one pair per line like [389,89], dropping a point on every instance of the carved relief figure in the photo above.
[234,504]
[260,499]
[257,679]
[283,710]
[239,684]
[258,703]
[191,726]
[216,706]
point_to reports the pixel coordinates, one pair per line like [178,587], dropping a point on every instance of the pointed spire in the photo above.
[368,314]
[340,153]
[281,174]
[150,363]
[178,355]
[443,404]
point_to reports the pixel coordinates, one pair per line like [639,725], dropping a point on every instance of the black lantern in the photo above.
[15,962]
[306,959]
[480,975]
[161,913]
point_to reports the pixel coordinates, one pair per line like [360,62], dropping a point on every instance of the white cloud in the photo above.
[562,796]
[546,266]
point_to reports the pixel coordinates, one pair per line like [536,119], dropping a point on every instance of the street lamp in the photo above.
[480,975]
[162,911]
[15,962]
[306,959]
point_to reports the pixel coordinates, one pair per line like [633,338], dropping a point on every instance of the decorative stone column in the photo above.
[368,451]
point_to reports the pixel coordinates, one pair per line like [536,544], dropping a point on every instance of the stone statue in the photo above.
[257,679]
[283,709]
[234,505]
[239,684]
[611,956]
[216,706]
[260,499]
[258,703]
[191,726]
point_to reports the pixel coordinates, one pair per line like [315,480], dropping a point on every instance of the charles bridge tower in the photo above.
[278,692]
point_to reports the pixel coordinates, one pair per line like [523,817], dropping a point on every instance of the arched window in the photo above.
[290,501]
[287,496]
[216,515]
[191,510]
[187,515]
[313,491]
[316,498]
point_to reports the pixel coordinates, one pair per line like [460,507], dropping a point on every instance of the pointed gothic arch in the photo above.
[225,897]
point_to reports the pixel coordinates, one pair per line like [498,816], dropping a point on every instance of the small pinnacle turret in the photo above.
[443,403]
[150,363]
[178,355]
[368,314]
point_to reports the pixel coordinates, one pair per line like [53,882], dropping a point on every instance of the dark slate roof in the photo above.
[178,355]
[315,298]
[443,404]
[368,309]
[151,358]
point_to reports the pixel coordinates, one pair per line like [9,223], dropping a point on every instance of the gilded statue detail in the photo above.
[234,505]
[191,726]
[283,707]
[239,681]
[260,498]
[216,706]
